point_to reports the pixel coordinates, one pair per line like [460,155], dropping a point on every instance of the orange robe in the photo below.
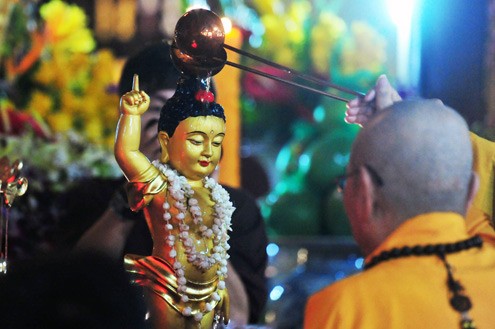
[411,292]
[479,216]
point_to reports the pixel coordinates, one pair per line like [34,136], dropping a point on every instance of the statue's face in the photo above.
[195,148]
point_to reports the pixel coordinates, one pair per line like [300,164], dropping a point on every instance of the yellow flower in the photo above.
[79,61]
[324,36]
[90,107]
[102,75]
[365,51]
[109,141]
[298,12]
[69,102]
[105,57]
[45,74]
[65,26]
[264,7]
[40,103]
[62,75]
[94,129]
[274,33]
[78,64]
[294,32]
[70,84]
[321,60]
[110,113]
[286,56]
[79,41]
[60,121]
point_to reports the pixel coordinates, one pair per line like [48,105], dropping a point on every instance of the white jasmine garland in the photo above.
[183,200]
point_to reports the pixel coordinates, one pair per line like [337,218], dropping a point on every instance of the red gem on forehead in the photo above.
[204,96]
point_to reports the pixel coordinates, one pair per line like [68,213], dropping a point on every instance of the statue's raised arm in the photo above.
[128,136]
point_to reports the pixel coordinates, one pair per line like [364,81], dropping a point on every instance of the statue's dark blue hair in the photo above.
[184,104]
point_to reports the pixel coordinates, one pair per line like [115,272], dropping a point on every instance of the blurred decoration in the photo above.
[56,166]
[300,266]
[127,25]
[11,186]
[229,93]
[294,213]
[115,19]
[50,69]
[326,158]
[57,112]
[311,38]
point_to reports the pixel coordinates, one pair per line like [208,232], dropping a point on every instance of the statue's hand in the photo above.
[134,102]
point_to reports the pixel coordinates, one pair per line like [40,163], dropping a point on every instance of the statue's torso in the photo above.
[154,215]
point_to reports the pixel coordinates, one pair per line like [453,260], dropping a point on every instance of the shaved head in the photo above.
[422,151]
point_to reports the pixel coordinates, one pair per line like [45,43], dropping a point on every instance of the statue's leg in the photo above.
[163,316]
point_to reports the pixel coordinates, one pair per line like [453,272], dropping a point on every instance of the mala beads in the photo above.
[459,301]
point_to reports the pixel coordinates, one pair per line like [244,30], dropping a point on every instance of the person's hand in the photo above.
[134,102]
[360,110]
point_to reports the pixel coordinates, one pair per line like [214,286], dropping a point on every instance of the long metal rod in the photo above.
[288,70]
[266,75]
[4,247]
[294,72]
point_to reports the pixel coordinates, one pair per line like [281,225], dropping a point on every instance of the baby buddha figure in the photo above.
[187,212]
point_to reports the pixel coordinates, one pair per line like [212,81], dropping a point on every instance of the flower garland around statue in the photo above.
[182,194]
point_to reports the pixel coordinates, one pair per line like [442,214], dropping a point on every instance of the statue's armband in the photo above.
[140,194]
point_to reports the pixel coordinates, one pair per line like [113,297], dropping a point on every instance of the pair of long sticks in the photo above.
[288,70]
[292,72]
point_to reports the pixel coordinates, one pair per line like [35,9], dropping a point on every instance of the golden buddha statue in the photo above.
[187,212]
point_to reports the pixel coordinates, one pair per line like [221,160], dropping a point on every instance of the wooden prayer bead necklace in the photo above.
[459,301]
